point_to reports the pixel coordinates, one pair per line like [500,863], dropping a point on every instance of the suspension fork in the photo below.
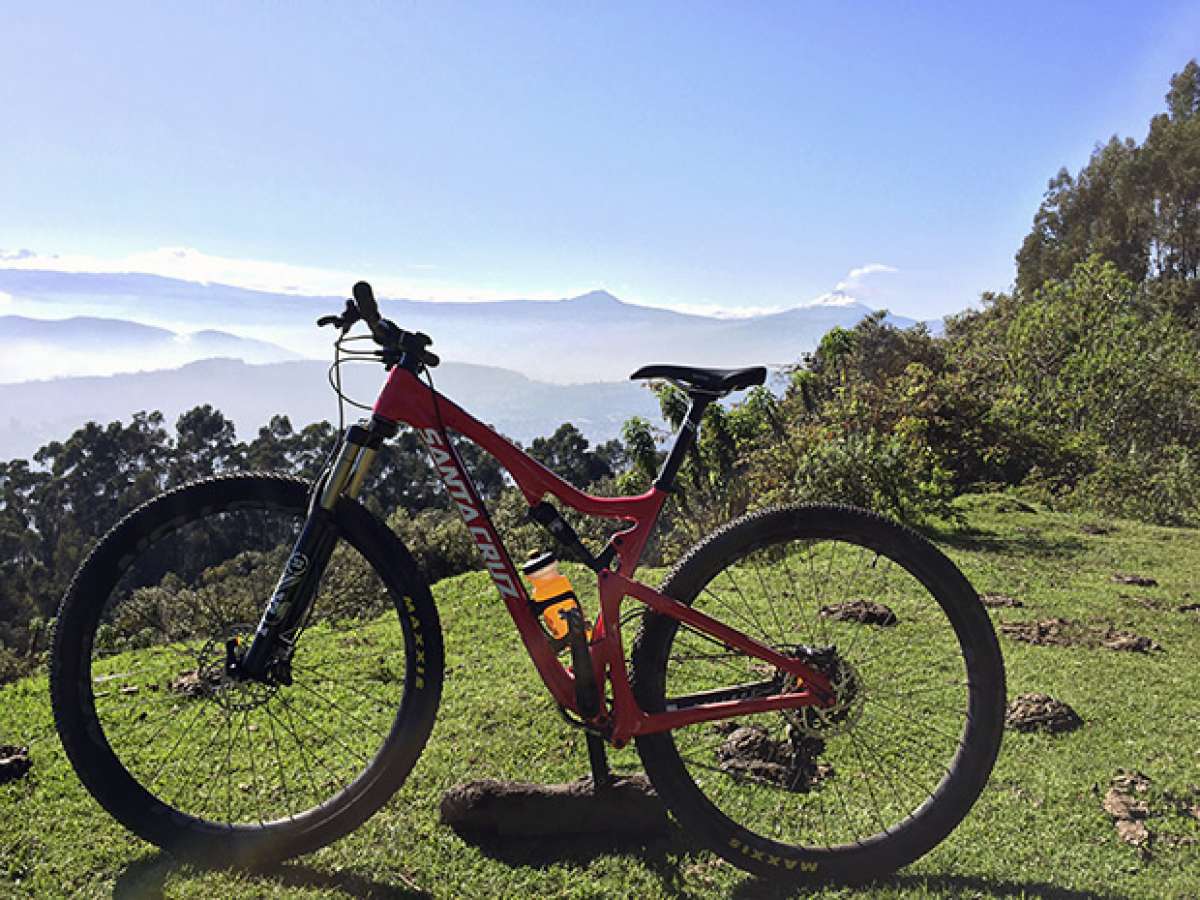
[268,658]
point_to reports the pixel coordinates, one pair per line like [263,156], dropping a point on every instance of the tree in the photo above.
[1136,206]
[205,444]
[566,453]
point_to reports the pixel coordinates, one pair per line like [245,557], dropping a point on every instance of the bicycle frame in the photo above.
[405,399]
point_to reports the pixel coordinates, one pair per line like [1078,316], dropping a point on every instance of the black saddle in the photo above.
[706,381]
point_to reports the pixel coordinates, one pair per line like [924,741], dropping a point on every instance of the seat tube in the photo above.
[684,440]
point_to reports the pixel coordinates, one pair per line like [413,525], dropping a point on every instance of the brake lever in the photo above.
[343,322]
[349,316]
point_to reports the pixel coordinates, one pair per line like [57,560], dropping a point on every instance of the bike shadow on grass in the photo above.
[671,855]
[666,855]
[937,885]
[146,878]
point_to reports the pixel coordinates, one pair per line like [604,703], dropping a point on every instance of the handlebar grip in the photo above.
[364,297]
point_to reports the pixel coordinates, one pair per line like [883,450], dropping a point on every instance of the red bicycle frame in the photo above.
[406,399]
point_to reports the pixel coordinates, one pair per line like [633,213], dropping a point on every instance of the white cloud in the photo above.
[833,298]
[190,264]
[854,280]
[5,299]
[857,287]
[715,311]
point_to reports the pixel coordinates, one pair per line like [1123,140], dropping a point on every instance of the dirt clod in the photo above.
[1124,640]
[792,764]
[865,612]
[1136,580]
[1000,601]
[1120,805]
[1096,528]
[629,806]
[1047,632]
[1040,712]
[1144,602]
[194,683]
[1134,833]
[1058,632]
[14,762]
[1127,811]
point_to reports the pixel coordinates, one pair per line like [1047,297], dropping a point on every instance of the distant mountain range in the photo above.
[34,413]
[86,345]
[147,342]
[594,337]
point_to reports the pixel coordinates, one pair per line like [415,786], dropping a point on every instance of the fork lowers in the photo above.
[267,658]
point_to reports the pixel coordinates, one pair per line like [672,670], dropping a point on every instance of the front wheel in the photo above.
[223,770]
[856,790]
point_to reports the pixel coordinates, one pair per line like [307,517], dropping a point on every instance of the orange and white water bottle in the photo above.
[553,596]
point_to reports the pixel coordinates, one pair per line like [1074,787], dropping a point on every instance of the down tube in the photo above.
[499,566]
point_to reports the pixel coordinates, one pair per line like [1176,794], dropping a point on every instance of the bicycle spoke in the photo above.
[893,688]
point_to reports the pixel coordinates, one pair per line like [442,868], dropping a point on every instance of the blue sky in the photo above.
[695,155]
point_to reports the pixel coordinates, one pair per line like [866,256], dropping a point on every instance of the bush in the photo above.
[1161,487]
[887,473]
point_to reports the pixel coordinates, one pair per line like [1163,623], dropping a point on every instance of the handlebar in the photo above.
[407,349]
[364,298]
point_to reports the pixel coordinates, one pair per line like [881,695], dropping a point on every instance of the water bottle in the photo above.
[553,597]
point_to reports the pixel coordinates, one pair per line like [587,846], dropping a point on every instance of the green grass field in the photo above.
[1038,831]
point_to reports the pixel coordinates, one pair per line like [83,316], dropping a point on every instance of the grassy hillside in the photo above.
[1038,831]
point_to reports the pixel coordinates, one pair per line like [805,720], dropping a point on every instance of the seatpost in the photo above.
[684,439]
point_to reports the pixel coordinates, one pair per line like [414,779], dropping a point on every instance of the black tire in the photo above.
[859,792]
[233,773]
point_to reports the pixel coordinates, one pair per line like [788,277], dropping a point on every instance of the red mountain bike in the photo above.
[247,667]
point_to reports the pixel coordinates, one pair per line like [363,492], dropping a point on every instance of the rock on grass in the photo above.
[629,806]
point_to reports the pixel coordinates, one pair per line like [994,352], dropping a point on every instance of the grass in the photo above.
[1038,830]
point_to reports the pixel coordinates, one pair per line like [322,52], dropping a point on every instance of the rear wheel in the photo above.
[224,770]
[875,781]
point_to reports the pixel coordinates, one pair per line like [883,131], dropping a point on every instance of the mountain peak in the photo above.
[595,298]
[833,298]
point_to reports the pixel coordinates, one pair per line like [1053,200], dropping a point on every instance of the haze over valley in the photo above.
[102,346]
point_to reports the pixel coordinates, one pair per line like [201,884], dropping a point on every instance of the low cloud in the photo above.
[716,311]
[854,280]
[189,264]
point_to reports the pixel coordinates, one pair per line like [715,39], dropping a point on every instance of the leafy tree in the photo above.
[205,444]
[567,454]
[1137,206]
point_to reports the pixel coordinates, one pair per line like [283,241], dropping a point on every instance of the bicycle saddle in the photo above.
[709,381]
